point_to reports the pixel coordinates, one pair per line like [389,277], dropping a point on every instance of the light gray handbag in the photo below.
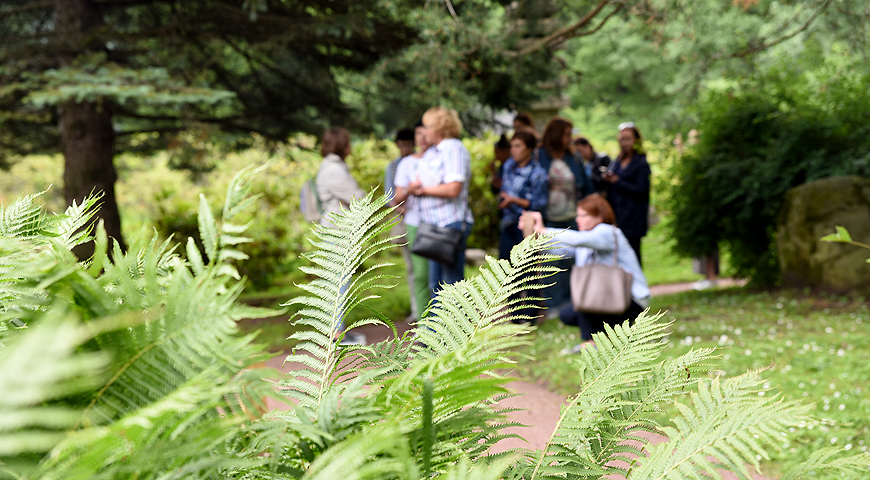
[597,288]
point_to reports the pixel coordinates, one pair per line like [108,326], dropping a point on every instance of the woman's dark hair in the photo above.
[638,143]
[553,134]
[597,206]
[584,141]
[528,138]
[335,140]
[503,143]
[406,134]
[525,119]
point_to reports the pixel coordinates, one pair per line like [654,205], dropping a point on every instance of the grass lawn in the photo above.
[814,347]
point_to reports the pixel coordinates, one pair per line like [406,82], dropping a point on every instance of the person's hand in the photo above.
[536,219]
[415,187]
[610,177]
[505,200]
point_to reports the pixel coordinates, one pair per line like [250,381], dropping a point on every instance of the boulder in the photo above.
[810,212]
[475,257]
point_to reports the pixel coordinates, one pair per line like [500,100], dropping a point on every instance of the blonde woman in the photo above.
[441,188]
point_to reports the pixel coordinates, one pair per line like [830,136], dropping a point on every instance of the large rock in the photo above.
[810,212]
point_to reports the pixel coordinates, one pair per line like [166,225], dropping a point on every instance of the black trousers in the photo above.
[590,323]
[635,245]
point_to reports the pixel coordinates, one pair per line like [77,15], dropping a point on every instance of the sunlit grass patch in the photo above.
[814,347]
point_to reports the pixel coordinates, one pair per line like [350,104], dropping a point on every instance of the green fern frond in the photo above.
[373,453]
[23,219]
[342,280]
[462,387]
[182,435]
[728,425]
[38,366]
[195,332]
[72,226]
[465,470]
[618,383]
[666,380]
[829,459]
[173,387]
[460,310]
[208,232]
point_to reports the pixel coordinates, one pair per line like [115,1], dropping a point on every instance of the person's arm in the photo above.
[402,194]
[538,190]
[507,200]
[599,238]
[495,176]
[443,190]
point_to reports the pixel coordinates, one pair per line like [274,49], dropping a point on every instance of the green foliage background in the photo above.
[790,126]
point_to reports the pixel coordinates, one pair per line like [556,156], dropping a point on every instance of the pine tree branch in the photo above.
[27,8]
[571,30]
[753,49]
[765,44]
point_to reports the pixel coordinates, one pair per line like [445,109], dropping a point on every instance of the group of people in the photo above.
[566,187]
[579,196]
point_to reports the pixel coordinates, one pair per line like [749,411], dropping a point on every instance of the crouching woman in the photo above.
[595,242]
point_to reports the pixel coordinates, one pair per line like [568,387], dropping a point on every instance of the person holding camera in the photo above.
[596,164]
[629,179]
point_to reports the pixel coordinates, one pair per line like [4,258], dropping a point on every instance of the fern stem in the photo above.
[428,427]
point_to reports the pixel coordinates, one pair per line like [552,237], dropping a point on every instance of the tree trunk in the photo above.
[87,141]
[87,137]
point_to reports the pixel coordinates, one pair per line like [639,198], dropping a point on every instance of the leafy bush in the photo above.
[145,378]
[754,145]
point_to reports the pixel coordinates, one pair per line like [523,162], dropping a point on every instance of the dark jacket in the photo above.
[582,185]
[600,160]
[629,196]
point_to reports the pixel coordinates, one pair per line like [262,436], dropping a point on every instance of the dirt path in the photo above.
[539,407]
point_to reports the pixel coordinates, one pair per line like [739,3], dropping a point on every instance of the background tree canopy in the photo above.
[92,78]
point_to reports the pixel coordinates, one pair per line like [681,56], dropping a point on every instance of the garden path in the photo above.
[538,407]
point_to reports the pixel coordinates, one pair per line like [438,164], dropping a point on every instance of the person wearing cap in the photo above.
[629,179]
[418,276]
[502,151]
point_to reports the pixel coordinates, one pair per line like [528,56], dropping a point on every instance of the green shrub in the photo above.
[754,145]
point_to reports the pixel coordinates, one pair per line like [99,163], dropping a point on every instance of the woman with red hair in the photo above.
[595,242]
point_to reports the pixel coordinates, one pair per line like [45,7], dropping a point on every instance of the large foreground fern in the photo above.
[124,367]
[131,368]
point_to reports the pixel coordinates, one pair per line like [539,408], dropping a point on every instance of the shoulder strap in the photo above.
[615,246]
